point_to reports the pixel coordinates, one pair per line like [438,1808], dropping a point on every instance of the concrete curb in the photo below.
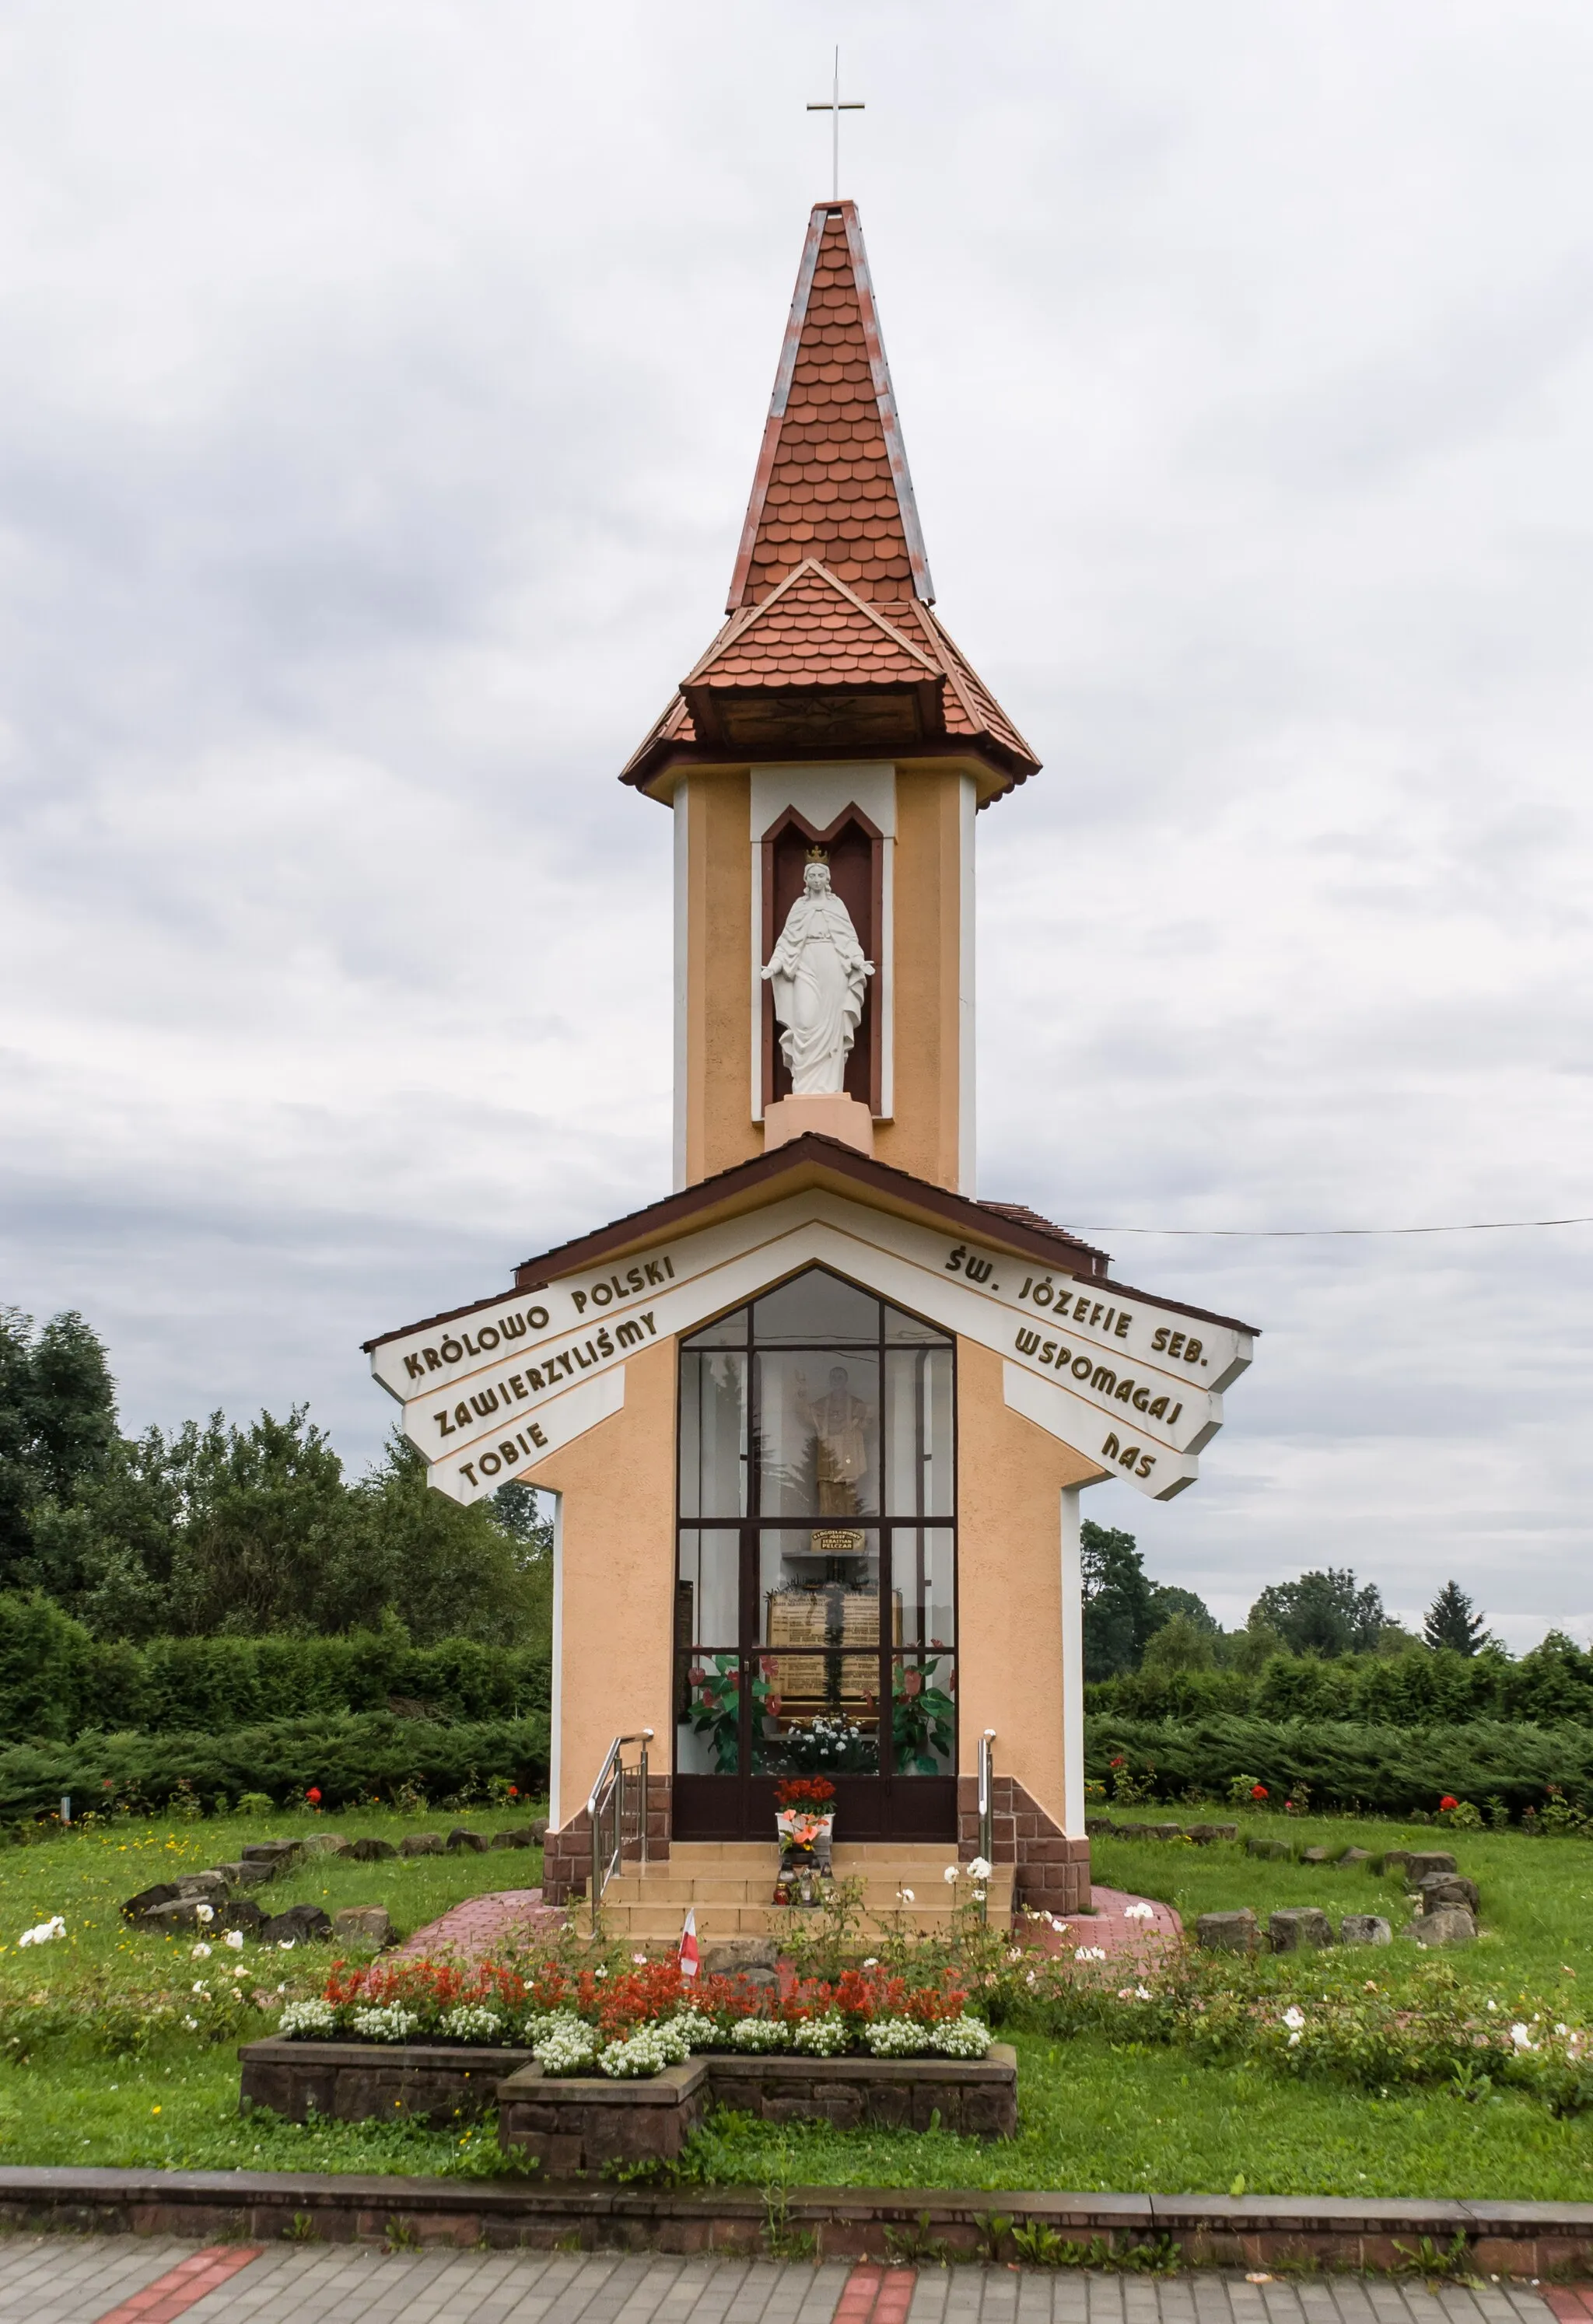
[1535,2240]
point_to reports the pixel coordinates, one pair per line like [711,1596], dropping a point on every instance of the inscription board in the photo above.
[1129,1383]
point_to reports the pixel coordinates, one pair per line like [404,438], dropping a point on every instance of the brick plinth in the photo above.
[1052,1871]
[578,2123]
[567,1854]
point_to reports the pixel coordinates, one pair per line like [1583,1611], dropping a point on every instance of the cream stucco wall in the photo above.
[1011,1478]
[617,1575]
[720,1129]
[923,1135]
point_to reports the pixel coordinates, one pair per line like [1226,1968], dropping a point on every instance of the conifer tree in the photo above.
[1451,1621]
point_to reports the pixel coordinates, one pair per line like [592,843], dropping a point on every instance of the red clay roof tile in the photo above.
[831,588]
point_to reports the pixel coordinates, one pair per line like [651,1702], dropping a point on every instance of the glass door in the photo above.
[816,1581]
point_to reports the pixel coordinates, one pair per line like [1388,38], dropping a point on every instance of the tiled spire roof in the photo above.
[831,479]
[830,645]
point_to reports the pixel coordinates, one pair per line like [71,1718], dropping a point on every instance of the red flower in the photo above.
[1448,1801]
[1258,1792]
[1120,1761]
[514,1791]
[803,1792]
[313,1796]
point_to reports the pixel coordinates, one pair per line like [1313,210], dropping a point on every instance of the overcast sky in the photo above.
[380,391]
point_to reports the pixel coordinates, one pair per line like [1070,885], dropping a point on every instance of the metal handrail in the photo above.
[605,1810]
[987,1810]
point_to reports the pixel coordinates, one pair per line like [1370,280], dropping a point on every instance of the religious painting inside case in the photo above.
[815,1601]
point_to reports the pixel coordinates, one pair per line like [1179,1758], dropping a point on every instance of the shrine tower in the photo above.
[833,711]
[816,1422]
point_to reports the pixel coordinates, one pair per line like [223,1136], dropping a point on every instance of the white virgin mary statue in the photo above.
[820,977]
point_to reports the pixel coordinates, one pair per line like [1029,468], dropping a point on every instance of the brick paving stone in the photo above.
[71,2280]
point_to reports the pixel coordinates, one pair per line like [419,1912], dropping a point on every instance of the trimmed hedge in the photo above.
[1552,1686]
[1350,1764]
[56,1677]
[349,1759]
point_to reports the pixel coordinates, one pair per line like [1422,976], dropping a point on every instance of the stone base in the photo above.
[351,2081]
[579,2122]
[829,1117]
[1051,1871]
[573,2123]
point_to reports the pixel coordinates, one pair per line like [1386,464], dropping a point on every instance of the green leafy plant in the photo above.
[916,2245]
[922,1719]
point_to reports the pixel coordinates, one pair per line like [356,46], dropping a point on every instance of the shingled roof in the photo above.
[830,645]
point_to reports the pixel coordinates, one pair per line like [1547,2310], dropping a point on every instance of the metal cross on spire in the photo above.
[835,108]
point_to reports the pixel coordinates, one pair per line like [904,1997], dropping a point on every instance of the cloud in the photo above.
[379,395]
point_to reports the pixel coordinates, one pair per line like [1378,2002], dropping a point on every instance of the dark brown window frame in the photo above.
[753,1524]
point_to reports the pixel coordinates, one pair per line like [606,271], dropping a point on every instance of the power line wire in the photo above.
[1292,1234]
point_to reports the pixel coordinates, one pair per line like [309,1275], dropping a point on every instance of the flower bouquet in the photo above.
[804,1820]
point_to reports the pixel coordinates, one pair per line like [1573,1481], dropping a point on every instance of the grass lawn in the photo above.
[175,2103]
[1096,2112]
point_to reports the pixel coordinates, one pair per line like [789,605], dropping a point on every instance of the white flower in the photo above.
[200,1986]
[1295,2017]
[954,1873]
[1493,2004]
[897,2037]
[871,1962]
[205,1913]
[980,1870]
[45,1933]
[392,2023]
[1562,2029]
[905,1897]
[240,1970]
[198,1952]
[1089,1952]
[1139,1912]
[470,2023]
[1142,1993]
[235,1939]
[648,2052]
[698,2031]
[760,2034]
[961,2037]
[192,2024]
[1522,2035]
[286,1944]
[820,2037]
[301,2018]
[641,1959]
[561,2043]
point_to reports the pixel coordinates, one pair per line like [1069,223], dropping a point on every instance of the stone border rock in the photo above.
[1252,2231]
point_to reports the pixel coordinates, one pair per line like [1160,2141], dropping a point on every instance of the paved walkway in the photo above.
[482,1923]
[1117,1926]
[132,2280]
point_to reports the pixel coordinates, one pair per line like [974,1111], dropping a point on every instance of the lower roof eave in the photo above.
[995,770]
[828,1163]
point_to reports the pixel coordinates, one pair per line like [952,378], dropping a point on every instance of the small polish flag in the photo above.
[690,1958]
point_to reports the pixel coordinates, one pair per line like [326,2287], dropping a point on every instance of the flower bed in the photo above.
[631,2024]
[593,2065]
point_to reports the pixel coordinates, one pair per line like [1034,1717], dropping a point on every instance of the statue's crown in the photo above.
[818,854]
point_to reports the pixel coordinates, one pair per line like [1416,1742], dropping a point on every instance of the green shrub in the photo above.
[55,1678]
[1353,1763]
[349,1757]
